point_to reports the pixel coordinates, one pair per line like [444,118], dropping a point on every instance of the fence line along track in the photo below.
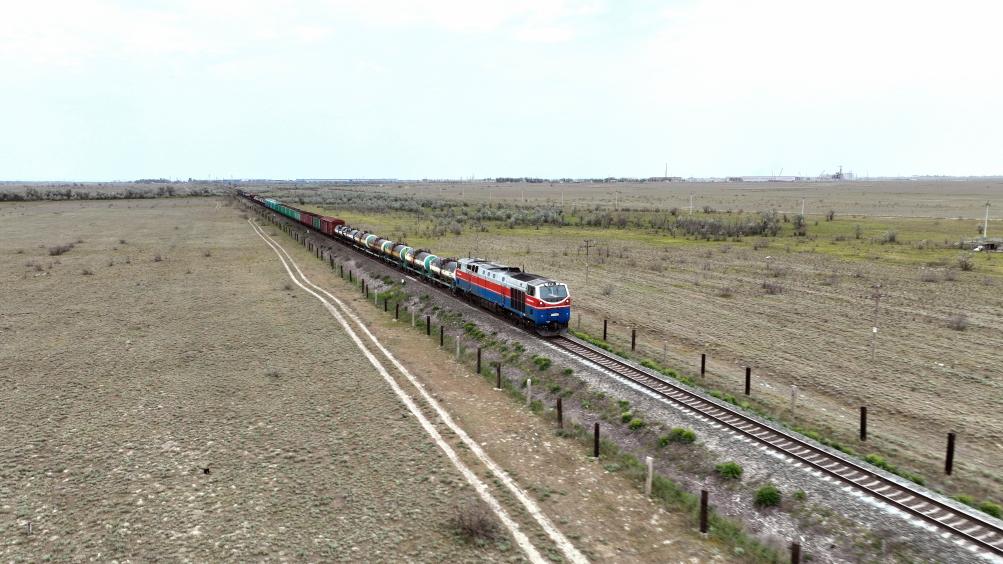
[969,527]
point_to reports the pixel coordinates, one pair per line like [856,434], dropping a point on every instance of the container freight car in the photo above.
[532,300]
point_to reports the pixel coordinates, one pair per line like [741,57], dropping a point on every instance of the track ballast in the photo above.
[971,528]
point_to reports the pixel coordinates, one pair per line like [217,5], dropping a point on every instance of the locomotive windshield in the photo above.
[553,294]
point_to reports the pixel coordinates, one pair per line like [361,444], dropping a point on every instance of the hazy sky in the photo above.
[100,90]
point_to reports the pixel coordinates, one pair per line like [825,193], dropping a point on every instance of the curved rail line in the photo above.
[968,527]
[971,528]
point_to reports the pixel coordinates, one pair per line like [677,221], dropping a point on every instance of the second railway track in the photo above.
[981,533]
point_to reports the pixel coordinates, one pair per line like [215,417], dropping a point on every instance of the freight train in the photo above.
[537,302]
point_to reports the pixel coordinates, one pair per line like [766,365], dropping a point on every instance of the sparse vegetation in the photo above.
[157,258]
[475,523]
[767,496]
[729,470]
[60,249]
[958,322]
[677,435]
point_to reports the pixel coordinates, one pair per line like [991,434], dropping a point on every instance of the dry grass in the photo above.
[152,384]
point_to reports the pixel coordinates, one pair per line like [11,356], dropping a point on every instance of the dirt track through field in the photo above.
[337,308]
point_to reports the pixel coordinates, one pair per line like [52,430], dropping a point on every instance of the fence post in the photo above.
[863,423]
[647,482]
[748,380]
[560,414]
[703,363]
[595,441]
[442,336]
[428,325]
[529,391]
[949,461]
[498,375]
[457,348]
[703,512]
[605,324]
[478,361]
[397,311]
[795,553]
[412,318]
[386,304]
[633,339]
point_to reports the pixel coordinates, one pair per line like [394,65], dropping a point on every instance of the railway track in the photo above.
[968,527]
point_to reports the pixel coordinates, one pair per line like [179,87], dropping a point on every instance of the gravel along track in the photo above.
[969,527]
[342,314]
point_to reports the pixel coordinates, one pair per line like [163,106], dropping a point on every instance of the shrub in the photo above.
[800,495]
[729,470]
[541,362]
[681,435]
[773,288]
[991,508]
[929,276]
[567,372]
[475,523]
[207,254]
[157,258]
[965,263]
[958,322]
[890,236]
[607,290]
[767,496]
[60,249]
[122,242]
[87,272]
[626,416]
[635,424]
[966,499]
[725,292]
[287,287]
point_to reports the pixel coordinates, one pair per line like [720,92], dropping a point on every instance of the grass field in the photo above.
[798,309]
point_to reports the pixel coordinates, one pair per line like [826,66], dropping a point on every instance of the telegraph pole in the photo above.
[588,244]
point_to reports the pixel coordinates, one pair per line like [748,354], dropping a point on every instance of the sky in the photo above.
[117,90]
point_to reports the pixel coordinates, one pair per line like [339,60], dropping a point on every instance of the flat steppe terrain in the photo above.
[936,364]
[118,388]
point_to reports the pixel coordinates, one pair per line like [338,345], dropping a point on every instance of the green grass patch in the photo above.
[729,470]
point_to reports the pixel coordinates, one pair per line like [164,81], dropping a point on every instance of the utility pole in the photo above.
[874,329]
[588,244]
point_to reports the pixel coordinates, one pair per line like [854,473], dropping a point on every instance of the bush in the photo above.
[475,523]
[729,470]
[60,249]
[541,362]
[157,258]
[635,424]
[725,292]
[890,236]
[773,288]
[800,495]
[681,435]
[958,322]
[626,416]
[966,499]
[767,496]
[87,272]
[991,508]
[965,263]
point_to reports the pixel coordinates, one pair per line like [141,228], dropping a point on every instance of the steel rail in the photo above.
[971,528]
